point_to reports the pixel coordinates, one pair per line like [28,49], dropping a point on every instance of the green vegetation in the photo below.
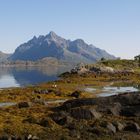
[120,64]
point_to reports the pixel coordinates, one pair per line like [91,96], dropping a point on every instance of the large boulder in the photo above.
[85,113]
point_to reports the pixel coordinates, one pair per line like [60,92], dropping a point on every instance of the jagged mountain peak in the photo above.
[52,34]
[55,46]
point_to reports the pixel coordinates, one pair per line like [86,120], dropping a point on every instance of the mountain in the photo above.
[4,56]
[57,47]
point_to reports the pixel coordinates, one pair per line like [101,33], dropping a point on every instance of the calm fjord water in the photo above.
[18,77]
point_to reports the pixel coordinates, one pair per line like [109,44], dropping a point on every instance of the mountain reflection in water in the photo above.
[23,76]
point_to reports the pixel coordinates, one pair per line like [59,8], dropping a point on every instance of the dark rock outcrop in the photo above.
[126,104]
[85,113]
[114,115]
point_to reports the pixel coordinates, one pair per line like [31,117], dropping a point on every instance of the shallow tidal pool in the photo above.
[110,90]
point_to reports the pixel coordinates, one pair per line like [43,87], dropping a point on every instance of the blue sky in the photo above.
[113,25]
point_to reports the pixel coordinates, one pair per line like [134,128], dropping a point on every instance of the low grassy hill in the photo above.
[123,64]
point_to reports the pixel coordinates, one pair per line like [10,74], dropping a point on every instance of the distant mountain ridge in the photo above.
[57,47]
[4,56]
